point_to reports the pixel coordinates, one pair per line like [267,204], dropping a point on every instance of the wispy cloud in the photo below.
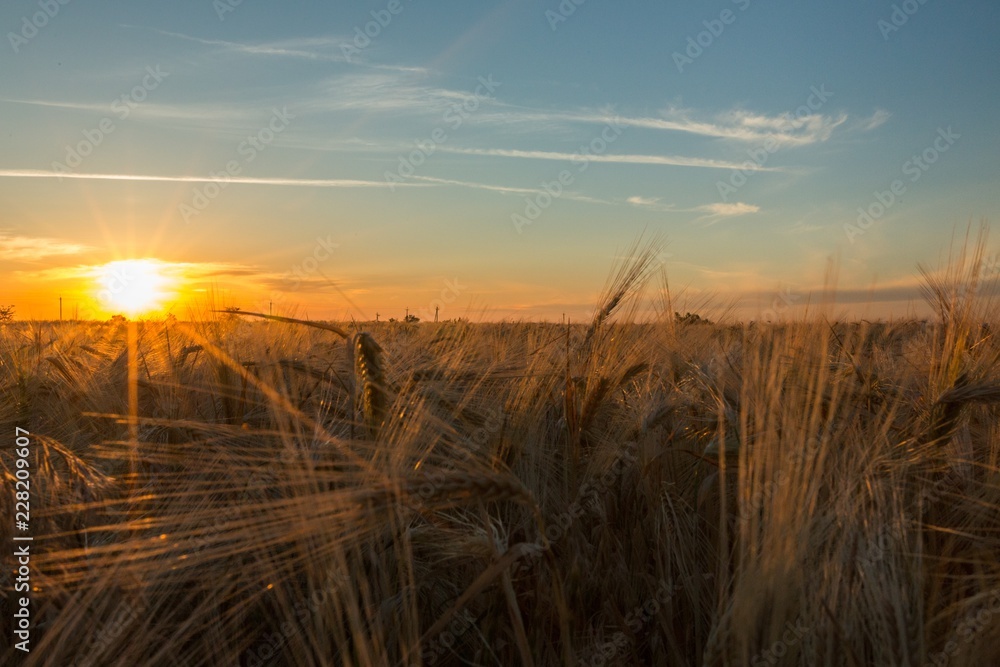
[310,48]
[666,160]
[321,49]
[728,210]
[656,204]
[720,211]
[504,189]
[741,125]
[738,125]
[389,92]
[877,119]
[28,248]
[643,201]
[76,106]
[399,91]
[424,181]
[241,180]
[713,211]
[195,112]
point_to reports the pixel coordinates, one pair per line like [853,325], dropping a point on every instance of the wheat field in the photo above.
[632,490]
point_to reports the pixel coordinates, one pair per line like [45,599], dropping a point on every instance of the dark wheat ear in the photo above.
[369,380]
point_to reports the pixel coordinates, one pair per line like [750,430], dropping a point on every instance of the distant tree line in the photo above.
[690,318]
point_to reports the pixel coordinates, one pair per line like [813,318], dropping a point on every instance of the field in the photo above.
[244,490]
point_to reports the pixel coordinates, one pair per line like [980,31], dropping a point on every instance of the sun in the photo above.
[133,286]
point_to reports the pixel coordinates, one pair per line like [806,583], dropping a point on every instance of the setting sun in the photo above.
[133,286]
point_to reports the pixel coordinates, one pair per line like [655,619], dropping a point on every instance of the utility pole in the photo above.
[436,314]
[270,307]
[407,318]
[60,309]
[376,317]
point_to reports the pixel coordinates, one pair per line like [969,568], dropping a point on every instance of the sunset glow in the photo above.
[133,286]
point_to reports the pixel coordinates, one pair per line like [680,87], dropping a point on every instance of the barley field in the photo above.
[632,490]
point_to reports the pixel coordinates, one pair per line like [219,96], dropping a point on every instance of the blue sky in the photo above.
[423,167]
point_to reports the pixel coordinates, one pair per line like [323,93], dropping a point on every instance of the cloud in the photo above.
[719,210]
[655,204]
[728,210]
[385,92]
[785,129]
[321,49]
[504,189]
[309,48]
[425,181]
[240,180]
[667,160]
[28,249]
[878,118]
[396,91]
[739,125]
[198,113]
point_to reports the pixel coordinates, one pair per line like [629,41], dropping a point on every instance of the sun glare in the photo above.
[133,286]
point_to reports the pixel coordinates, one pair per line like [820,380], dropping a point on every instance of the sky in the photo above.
[492,159]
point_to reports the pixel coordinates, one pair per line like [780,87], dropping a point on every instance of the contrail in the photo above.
[241,180]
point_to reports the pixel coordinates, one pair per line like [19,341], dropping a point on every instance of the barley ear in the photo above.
[369,381]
